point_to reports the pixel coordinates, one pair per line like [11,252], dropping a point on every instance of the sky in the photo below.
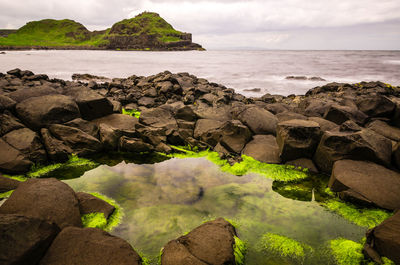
[233,24]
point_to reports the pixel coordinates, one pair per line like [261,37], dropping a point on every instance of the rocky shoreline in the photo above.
[349,131]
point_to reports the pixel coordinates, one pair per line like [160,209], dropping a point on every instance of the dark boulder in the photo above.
[91,104]
[13,161]
[361,145]
[221,113]
[210,243]
[9,123]
[384,239]
[350,126]
[118,121]
[89,246]
[324,125]
[109,136]
[339,114]
[79,142]
[260,121]
[6,103]
[28,143]
[288,115]
[30,92]
[48,199]
[263,148]
[208,131]
[158,117]
[56,149]
[85,126]
[91,204]
[376,106]
[373,182]
[315,107]
[382,128]
[234,136]
[15,72]
[276,108]
[396,155]
[297,139]
[134,145]
[7,184]
[42,111]
[146,102]
[24,240]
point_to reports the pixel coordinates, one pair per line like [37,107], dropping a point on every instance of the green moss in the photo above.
[365,217]
[6,194]
[133,112]
[116,217]
[387,261]
[239,249]
[284,246]
[347,252]
[247,165]
[73,168]
[97,220]
[16,177]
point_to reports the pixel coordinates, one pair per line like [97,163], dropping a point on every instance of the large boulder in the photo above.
[118,121]
[234,136]
[260,121]
[28,143]
[24,240]
[7,184]
[210,243]
[30,92]
[91,104]
[134,145]
[81,143]
[303,163]
[89,246]
[263,148]
[9,123]
[297,139]
[360,145]
[158,117]
[221,113]
[372,182]
[56,149]
[339,114]
[376,106]
[91,204]
[85,126]
[207,130]
[396,155]
[324,125]
[385,239]
[48,199]
[381,127]
[13,161]
[42,111]
[6,103]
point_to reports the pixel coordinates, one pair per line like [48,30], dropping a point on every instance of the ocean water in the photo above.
[241,70]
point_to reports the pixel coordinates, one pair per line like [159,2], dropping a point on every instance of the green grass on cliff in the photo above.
[146,23]
[50,32]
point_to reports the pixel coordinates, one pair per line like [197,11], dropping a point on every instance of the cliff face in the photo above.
[147,31]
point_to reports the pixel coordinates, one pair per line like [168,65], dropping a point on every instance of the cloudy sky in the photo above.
[233,24]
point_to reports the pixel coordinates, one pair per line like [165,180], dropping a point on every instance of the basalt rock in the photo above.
[7,184]
[85,126]
[260,121]
[304,163]
[339,114]
[208,131]
[42,111]
[118,121]
[361,145]
[24,240]
[30,92]
[47,199]
[382,128]
[134,145]
[6,103]
[13,161]
[263,148]
[376,106]
[234,136]
[57,151]
[91,204]
[90,246]
[210,243]
[297,139]
[367,180]
[9,123]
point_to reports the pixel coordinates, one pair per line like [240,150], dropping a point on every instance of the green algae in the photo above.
[74,167]
[365,217]
[131,112]
[239,250]
[248,165]
[6,194]
[347,252]
[284,246]
[96,220]
[17,177]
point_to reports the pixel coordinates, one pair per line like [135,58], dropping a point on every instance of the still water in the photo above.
[164,200]
[240,70]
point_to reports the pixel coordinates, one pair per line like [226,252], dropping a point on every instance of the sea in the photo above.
[265,71]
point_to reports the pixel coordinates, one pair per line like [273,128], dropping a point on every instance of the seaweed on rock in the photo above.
[239,249]
[131,112]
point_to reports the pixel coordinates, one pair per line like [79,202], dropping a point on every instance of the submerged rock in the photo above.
[210,243]
[48,199]
[24,240]
[89,246]
[366,182]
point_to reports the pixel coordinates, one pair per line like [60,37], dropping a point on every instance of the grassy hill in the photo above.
[145,31]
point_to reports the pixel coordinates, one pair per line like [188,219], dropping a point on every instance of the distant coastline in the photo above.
[145,32]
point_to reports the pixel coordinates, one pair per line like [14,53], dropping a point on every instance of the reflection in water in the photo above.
[162,201]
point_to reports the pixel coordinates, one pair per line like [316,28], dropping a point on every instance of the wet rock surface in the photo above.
[210,243]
